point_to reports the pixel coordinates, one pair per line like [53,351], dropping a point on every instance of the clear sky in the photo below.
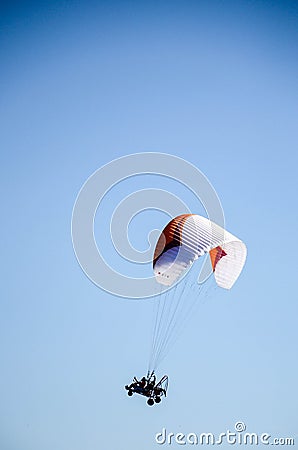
[82,83]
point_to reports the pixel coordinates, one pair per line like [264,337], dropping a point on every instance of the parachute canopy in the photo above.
[189,236]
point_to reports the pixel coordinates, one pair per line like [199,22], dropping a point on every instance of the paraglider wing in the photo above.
[189,236]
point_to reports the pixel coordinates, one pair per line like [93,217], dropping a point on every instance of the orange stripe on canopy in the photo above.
[215,255]
[171,236]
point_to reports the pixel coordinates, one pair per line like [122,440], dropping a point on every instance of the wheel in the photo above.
[150,401]
[157,399]
[129,393]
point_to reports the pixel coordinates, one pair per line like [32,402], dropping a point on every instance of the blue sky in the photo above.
[83,83]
